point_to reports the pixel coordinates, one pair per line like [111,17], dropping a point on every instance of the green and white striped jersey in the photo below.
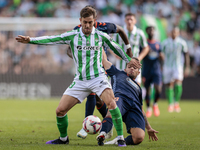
[136,39]
[173,51]
[86,51]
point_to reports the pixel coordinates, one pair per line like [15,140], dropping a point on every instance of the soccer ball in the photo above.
[91,124]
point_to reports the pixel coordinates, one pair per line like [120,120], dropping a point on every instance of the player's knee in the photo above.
[60,111]
[137,139]
[137,136]
[111,104]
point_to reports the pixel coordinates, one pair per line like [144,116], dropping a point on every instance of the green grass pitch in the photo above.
[28,124]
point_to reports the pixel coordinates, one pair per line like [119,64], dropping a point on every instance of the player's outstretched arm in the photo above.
[106,63]
[118,50]
[23,39]
[47,40]
[124,37]
[151,132]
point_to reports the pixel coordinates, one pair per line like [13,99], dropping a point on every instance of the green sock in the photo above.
[178,92]
[62,124]
[170,95]
[117,120]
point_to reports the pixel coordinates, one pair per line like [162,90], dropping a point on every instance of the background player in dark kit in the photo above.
[151,71]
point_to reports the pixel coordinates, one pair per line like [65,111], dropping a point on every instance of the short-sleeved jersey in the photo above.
[173,51]
[103,26]
[136,39]
[125,87]
[151,63]
[86,50]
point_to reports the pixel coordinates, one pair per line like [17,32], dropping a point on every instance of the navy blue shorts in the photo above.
[152,78]
[131,114]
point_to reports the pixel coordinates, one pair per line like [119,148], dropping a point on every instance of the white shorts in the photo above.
[170,75]
[81,89]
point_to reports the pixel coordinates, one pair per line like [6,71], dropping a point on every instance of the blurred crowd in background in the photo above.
[29,59]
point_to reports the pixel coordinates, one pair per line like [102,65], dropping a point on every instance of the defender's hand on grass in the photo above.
[152,134]
[23,39]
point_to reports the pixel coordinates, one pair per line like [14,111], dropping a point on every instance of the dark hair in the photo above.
[130,14]
[148,27]
[87,12]
[90,6]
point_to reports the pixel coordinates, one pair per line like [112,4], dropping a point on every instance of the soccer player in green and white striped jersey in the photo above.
[173,49]
[136,39]
[86,44]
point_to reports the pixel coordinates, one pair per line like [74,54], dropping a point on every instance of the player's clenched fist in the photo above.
[23,39]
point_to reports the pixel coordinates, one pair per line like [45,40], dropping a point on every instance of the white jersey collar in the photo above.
[174,39]
[82,34]
[133,31]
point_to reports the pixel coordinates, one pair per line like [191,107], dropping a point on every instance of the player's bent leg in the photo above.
[147,98]
[108,97]
[101,107]
[136,137]
[170,96]
[156,99]
[104,91]
[90,104]
[66,103]
[106,131]
[147,83]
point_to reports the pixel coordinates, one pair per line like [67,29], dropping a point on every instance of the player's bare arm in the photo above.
[118,50]
[143,53]
[151,132]
[187,64]
[124,37]
[23,39]
[106,63]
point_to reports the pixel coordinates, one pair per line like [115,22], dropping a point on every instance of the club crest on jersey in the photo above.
[96,40]
[132,83]
[96,48]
